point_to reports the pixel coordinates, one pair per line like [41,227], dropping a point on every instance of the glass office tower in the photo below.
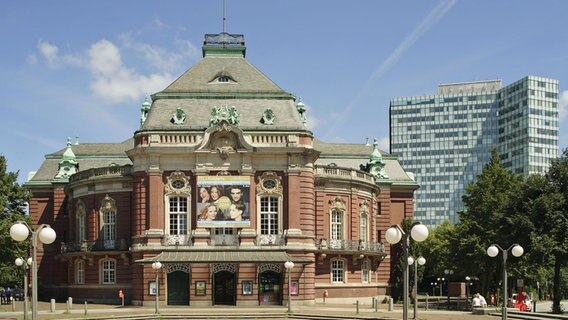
[446,138]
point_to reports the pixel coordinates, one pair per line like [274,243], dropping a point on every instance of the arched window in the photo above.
[80,216]
[178,198]
[365,271]
[108,222]
[338,270]
[79,271]
[269,193]
[107,271]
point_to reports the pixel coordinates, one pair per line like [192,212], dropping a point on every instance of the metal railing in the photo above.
[95,245]
[350,245]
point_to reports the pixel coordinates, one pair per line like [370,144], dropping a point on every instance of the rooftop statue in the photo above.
[227,113]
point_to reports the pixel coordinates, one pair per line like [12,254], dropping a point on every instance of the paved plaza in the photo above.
[346,311]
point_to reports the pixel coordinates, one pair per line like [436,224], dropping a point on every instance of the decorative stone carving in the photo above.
[269,184]
[268,117]
[177,184]
[178,117]
[337,203]
[224,113]
[302,111]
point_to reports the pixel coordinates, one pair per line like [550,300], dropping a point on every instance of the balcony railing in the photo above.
[349,245]
[98,245]
[112,171]
[224,240]
[343,173]
[271,240]
[177,240]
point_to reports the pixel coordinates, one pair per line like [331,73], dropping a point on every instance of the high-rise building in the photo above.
[446,138]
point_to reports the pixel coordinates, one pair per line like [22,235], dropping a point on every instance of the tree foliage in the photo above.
[505,209]
[13,200]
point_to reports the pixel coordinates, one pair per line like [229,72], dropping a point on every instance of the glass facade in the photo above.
[445,139]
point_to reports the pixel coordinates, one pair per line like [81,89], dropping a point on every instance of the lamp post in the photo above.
[44,233]
[441,282]
[467,278]
[157,266]
[394,235]
[420,261]
[20,263]
[434,285]
[448,273]
[493,251]
[289,265]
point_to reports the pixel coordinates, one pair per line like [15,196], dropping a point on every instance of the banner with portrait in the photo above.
[223,201]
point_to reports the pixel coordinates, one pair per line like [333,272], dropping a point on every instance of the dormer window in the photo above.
[222,77]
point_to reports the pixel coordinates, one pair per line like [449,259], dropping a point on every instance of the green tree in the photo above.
[13,200]
[552,221]
[482,223]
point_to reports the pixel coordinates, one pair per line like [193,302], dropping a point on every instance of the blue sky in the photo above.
[83,68]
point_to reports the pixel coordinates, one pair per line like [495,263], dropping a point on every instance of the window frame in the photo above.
[338,274]
[79,271]
[107,271]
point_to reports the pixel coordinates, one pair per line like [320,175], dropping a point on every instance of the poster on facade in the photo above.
[223,201]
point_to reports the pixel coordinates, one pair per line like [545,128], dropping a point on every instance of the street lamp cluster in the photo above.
[157,265]
[20,262]
[45,234]
[493,251]
[289,265]
[420,261]
[394,235]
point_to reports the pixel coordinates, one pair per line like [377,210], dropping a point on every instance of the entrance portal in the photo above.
[270,288]
[178,288]
[225,288]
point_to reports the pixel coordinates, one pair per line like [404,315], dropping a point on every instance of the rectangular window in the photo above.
[80,272]
[336,225]
[178,216]
[337,271]
[109,229]
[364,228]
[108,272]
[269,215]
[365,271]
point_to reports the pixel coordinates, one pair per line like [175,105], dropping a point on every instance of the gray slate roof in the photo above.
[88,155]
[200,78]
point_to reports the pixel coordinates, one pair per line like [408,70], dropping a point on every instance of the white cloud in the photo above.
[104,59]
[110,79]
[563,105]
[49,52]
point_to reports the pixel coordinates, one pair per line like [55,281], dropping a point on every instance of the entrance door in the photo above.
[178,288]
[225,288]
[270,288]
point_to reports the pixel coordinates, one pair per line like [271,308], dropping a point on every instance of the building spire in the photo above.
[224,16]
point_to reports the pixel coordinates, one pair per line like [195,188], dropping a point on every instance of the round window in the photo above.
[178,184]
[269,184]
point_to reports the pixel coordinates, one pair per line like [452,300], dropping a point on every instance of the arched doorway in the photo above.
[270,284]
[178,284]
[224,284]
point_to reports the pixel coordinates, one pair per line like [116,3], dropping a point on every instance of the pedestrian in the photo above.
[482,300]
[476,302]
[8,295]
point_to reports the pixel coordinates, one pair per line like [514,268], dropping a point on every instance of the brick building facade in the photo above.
[221,129]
